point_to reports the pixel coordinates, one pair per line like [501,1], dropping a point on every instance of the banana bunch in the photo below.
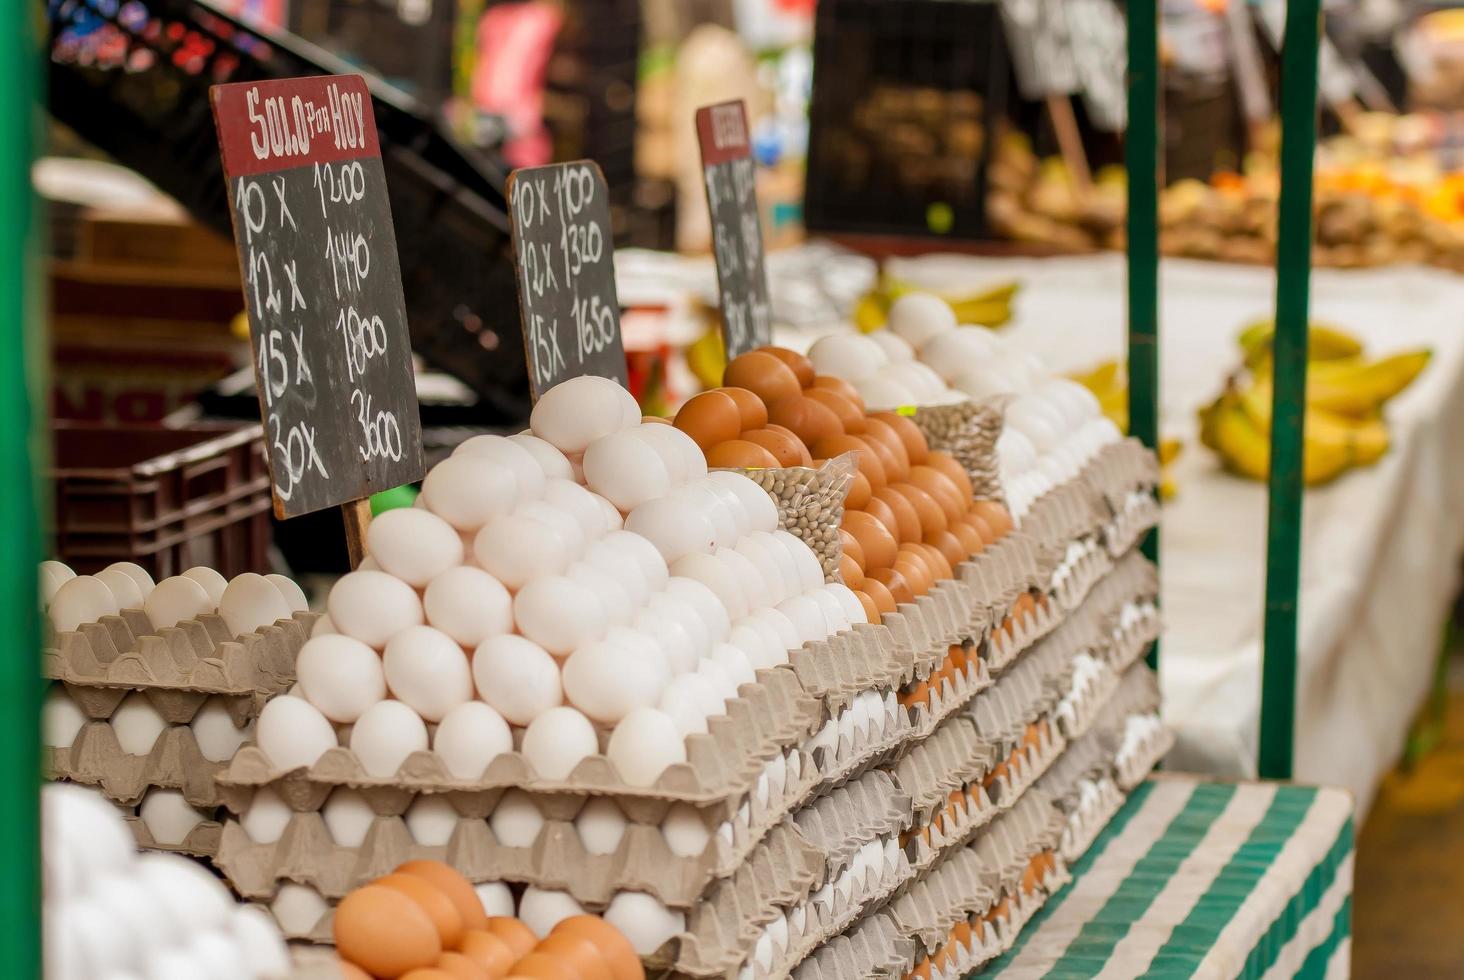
[1345,394]
[1110,387]
[987,308]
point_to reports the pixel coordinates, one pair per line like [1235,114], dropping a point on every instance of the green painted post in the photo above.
[1288,409]
[1141,158]
[22,448]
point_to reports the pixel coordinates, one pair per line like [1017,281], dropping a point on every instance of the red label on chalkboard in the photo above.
[722,132]
[293,122]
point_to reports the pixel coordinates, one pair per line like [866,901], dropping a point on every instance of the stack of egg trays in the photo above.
[177,669]
[872,950]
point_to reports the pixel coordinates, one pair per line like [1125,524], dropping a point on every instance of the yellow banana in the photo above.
[1363,441]
[988,308]
[1324,342]
[1169,450]
[1358,388]
[871,312]
[1099,380]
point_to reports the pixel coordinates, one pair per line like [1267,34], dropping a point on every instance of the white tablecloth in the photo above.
[1380,548]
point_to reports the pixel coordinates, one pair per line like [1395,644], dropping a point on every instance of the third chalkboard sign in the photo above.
[736,234]
[566,271]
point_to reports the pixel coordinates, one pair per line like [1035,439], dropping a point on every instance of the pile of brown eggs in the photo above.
[910,517]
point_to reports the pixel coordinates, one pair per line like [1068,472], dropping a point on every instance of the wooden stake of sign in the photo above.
[730,178]
[1070,141]
[568,306]
[323,291]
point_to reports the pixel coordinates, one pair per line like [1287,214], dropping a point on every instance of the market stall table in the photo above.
[1202,879]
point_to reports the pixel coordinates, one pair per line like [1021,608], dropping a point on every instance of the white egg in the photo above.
[61,718]
[807,618]
[559,614]
[734,663]
[83,599]
[297,908]
[643,920]
[495,897]
[757,591]
[53,575]
[1035,418]
[576,412]
[790,637]
[958,351]
[469,605]
[848,601]
[600,825]
[665,605]
[881,394]
[847,355]
[676,526]
[919,316]
[613,558]
[562,521]
[169,817]
[691,699]
[759,647]
[719,577]
[1018,367]
[542,910]
[214,730]
[516,820]
[922,383]
[613,596]
[292,732]
[983,382]
[293,595]
[677,643]
[528,475]
[252,601]
[384,735]
[759,511]
[213,583]
[124,588]
[431,820]
[611,516]
[643,745]
[347,816]
[833,612]
[373,606]
[551,461]
[414,545]
[732,503]
[706,603]
[685,830]
[258,940]
[717,508]
[579,503]
[469,737]
[340,676]
[175,600]
[556,741]
[516,548]
[266,817]
[121,900]
[681,455]
[137,724]
[517,677]
[88,827]
[469,491]
[607,681]
[772,566]
[1015,453]
[721,681]
[810,572]
[185,891]
[427,670]
[895,347]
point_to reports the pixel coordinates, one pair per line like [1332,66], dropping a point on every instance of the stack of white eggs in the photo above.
[586,573]
[110,912]
[1054,426]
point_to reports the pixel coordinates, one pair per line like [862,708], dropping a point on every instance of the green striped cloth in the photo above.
[1202,879]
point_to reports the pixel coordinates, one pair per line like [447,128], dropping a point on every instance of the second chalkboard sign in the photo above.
[566,270]
[742,282]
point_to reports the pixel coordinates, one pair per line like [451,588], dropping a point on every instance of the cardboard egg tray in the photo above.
[1135,761]
[968,431]
[201,842]
[871,949]
[1130,523]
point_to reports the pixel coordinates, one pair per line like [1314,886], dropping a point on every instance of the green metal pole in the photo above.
[1288,410]
[1141,158]
[22,446]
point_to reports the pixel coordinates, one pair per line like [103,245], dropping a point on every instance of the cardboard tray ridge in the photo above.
[95,759]
[871,948]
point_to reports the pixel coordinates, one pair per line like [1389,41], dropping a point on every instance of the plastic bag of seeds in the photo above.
[810,504]
[968,431]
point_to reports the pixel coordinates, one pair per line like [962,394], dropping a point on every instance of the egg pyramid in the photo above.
[155,686]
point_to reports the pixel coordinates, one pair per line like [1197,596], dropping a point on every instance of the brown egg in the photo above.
[958,657]
[710,418]
[879,431]
[850,572]
[452,884]
[977,523]
[460,967]
[970,539]
[912,569]
[927,511]
[841,387]
[905,514]
[893,468]
[518,937]
[427,973]
[875,540]
[921,971]
[584,955]
[612,944]
[859,492]
[916,447]
[384,932]
[350,971]
[869,463]
[851,547]
[754,413]
[939,486]
[805,457]
[875,589]
[544,966]
[947,464]
[881,512]
[490,952]
[807,419]
[961,933]
[949,546]
[741,454]
[439,908]
[801,366]
[871,611]
[940,565]
[850,417]
[763,374]
[919,694]
[995,516]
[786,449]
[894,581]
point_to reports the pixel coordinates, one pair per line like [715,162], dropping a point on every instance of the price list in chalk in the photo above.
[568,307]
[322,287]
[730,179]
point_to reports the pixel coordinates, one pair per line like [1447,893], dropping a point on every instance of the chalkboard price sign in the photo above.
[322,287]
[568,306]
[736,233]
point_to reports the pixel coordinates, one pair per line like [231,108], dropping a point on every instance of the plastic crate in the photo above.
[907,97]
[167,499]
